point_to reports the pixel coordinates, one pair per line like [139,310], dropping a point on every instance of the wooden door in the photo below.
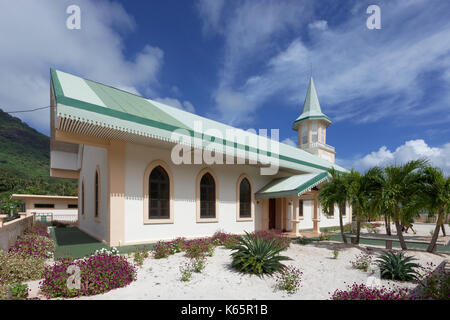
[272,213]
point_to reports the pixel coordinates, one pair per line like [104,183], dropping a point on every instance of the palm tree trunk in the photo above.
[443,226]
[387,224]
[341,224]
[432,245]
[358,229]
[399,229]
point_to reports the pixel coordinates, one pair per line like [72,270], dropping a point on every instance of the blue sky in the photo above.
[247,63]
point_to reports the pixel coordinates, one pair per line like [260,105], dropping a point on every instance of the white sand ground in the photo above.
[160,278]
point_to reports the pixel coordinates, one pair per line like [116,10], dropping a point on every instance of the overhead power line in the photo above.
[29,110]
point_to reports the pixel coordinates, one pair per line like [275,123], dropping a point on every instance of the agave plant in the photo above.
[257,255]
[397,267]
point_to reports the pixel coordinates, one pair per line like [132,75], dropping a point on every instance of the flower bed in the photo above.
[25,261]
[280,240]
[98,274]
[32,245]
[363,292]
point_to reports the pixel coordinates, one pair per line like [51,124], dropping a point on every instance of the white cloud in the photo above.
[410,150]
[318,25]
[35,38]
[210,12]
[290,142]
[361,75]
[185,105]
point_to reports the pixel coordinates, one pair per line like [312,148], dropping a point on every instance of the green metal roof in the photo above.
[311,106]
[89,102]
[292,186]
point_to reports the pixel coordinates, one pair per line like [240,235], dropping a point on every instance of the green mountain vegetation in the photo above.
[25,162]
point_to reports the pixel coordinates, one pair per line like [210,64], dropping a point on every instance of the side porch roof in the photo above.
[292,186]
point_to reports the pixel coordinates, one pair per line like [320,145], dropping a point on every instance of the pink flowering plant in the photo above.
[272,236]
[98,274]
[162,250]
[32,245]
[433,283]
[363,292]
[289,279]
[362,261]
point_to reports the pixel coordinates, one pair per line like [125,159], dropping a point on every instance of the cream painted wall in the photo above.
[333,221]
[138,157]
[60,212]
[93,157]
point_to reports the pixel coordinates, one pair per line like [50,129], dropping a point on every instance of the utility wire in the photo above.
[30,110]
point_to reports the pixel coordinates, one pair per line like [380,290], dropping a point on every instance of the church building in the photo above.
[148,171]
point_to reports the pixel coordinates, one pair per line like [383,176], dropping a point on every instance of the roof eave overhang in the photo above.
[298,121]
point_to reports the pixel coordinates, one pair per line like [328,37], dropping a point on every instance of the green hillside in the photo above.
[24,152]
[25,162]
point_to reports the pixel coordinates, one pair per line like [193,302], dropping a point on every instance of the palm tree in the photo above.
[436,199]
[400,185]
[334,193]
[359,195]
[377,206]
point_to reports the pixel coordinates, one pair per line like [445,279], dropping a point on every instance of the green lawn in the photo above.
[71,241]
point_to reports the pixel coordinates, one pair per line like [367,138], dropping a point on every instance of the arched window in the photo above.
[245,198]
[207,196]
[159,194]
[97,195]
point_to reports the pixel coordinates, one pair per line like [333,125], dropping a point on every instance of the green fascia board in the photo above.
[313,181]
[280,194]
[60,98]
[294,192]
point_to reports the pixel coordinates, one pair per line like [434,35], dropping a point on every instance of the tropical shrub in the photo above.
[258,255]
[15,267]
[140,255]
[289,279]
[362,261]
[363,292]
[19,291]
[98,274]
[397,267]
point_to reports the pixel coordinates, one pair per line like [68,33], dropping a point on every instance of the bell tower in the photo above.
[312,126]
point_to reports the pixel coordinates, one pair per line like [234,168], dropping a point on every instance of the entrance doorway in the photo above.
[272,213]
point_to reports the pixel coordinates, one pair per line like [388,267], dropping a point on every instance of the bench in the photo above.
[387,240]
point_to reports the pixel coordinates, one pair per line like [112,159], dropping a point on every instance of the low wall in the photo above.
[11,230]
